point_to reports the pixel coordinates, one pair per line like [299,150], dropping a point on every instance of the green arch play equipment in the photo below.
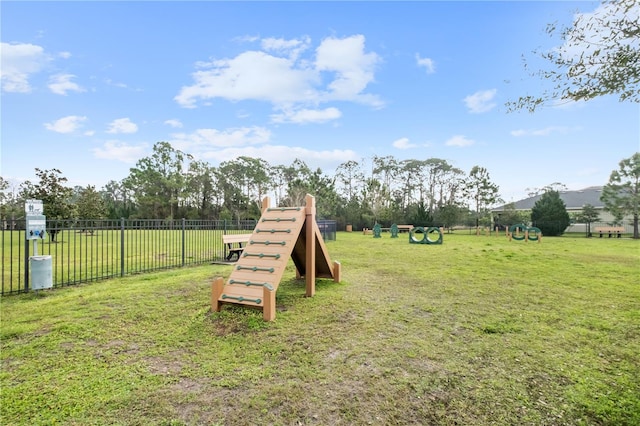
[418,235]
[520,232]
[517,231]
[536,231]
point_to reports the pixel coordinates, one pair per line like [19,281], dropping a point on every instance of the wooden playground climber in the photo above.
[281,233]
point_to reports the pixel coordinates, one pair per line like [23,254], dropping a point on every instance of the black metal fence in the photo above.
[327,229]
[582,228]
[573,229]
[90,250]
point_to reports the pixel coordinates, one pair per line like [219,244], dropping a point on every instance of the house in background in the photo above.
[574,202]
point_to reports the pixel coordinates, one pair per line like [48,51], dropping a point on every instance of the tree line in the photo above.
[171,184]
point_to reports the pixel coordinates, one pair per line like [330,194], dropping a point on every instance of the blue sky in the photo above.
[89,87]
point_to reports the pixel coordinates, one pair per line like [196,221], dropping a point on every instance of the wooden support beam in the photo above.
[266,202]
[216,292]
[337,270]
[269,304]
[310,242]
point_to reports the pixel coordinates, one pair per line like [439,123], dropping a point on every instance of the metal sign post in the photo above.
[41,276]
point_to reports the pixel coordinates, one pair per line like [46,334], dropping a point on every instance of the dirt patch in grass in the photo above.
[163,366]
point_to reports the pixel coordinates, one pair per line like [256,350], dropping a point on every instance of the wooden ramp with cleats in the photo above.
[280,234]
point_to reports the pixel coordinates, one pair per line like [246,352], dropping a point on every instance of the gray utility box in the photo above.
[41,272]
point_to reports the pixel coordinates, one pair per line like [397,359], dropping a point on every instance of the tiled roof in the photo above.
[573,200]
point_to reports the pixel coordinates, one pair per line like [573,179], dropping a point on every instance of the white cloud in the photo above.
[64,55]
[114,150]
[277,75]
[280,154]
[223,145]
[61,84]
[204,139]
[481,101]
[243,114]
[110,82]
[291,48]
[250,75]
[246,39]
[122,125]
[427,63]
[403,143]
[543,132]
[353,67]
[459,140]
[307,116]
[19,62]
[68,124]
[176,124]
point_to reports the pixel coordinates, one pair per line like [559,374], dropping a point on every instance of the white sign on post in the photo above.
[36,227]
[33,207]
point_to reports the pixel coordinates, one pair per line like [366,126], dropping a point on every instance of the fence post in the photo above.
[183,238]
[26,261]
[122,246]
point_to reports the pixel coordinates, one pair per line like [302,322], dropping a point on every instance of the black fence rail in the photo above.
[91,250]
[327,229]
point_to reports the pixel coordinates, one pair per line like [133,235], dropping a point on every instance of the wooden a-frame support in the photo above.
[305,264]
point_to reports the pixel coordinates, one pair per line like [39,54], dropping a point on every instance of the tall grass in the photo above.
[478,330]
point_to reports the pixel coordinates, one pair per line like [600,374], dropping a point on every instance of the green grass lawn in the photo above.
[476,331]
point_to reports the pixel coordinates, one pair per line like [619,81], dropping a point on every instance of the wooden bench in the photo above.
[610,230]
[230,240]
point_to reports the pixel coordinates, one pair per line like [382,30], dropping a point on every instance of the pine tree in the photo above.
[549,214]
